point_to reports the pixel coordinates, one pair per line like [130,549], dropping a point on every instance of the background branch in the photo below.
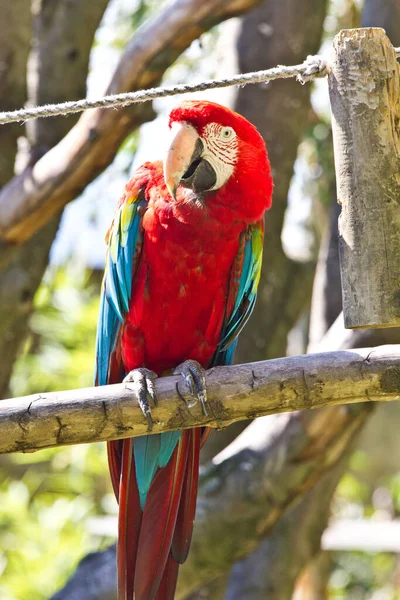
[63,35]
[274,462]
[278,561]
[279,110]
[91,145]
[278,33]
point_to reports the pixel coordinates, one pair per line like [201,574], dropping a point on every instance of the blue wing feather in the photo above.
[124,248]
[121,263]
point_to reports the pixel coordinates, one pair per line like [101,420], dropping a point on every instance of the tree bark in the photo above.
[365,99]
[63,36]
[15,30]
[63,33]
[278,33]
[293,542]
[234,393]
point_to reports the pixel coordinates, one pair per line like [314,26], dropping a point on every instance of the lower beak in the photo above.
[186,147]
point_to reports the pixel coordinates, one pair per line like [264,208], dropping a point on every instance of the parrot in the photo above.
[183,264]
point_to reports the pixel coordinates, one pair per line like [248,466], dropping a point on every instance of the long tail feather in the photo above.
[153,541]
[158,524]
[187,508]
[166,591]
[205,432]
[129,524]
[114,452]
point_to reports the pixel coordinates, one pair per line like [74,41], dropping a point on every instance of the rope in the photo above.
[313,66]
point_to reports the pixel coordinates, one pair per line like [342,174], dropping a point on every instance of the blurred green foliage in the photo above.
[59,352]
[361,575]
[47,497]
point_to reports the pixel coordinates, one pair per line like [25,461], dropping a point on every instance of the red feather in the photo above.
[184,524]
[114,452]
[116,372]
[158,523]
[166,591]
[129,524]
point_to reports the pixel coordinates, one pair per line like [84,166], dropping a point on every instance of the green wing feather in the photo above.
[124,247]
[242,293]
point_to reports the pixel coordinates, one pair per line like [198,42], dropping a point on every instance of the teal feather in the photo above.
[112,291]
[124,248]
[152,452]
[117,285]
[243,285]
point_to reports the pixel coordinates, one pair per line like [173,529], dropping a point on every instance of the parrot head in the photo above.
[217,156]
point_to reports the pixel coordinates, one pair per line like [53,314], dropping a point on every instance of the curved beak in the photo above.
[185,149]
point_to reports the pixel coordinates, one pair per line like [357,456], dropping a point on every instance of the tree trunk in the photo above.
[277,33]
[63,36]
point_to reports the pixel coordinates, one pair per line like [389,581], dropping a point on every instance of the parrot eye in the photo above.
[227,133]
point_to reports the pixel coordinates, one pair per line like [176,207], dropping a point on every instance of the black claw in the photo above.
[194,376]
[151,391]
[147,413]
[203,405]
[199,382]
[144,389]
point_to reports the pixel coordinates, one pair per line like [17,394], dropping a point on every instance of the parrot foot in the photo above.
[194,376]
[144,390]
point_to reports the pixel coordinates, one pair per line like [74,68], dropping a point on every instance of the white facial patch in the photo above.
[221,149]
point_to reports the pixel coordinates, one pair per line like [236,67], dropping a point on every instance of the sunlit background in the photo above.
[54,504]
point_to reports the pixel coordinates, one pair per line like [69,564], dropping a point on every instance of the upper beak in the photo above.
[186,147]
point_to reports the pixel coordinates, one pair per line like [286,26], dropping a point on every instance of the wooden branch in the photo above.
[235,393]
[31,199]
[364,85]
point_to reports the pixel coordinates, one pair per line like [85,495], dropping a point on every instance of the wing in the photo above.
[242,292]
[123,254]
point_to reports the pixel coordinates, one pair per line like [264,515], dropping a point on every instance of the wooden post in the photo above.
[364,87]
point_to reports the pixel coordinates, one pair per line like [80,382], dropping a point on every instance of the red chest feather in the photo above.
[179,293]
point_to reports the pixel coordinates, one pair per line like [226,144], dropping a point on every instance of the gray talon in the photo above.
[144,389]
[194,376]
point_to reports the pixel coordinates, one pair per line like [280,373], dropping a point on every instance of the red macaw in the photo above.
[183,266]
